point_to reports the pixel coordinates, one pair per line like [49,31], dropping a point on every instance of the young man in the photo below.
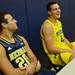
[16,57]
[58,48]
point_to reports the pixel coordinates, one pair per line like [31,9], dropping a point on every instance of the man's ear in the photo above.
[49,12]
[4,25]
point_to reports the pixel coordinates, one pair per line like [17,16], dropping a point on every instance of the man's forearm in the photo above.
[16,72]
[34,62]
[66,41]
[59,50]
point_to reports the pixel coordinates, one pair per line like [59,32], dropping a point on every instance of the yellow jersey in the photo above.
[58,37]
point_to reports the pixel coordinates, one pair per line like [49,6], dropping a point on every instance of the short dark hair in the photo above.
[2,19]
[50,4]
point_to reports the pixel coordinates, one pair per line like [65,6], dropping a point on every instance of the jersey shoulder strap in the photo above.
[18,37]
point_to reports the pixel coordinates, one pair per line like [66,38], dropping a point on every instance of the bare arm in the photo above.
[49,40]
[30,53]
[5,65]
[67,42]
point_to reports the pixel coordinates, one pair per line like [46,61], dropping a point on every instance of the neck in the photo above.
[6,34]
[52,19]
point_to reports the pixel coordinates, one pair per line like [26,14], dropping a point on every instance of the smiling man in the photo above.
[58,48]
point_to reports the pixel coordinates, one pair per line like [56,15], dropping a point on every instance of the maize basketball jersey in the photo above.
[58,37]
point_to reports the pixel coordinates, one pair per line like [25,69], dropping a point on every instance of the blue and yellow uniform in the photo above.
[58,36]
[16,52]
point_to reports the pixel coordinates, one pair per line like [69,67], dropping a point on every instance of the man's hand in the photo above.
[30,69]
[23,68]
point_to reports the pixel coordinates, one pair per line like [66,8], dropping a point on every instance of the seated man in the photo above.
[16,57]
[58,48]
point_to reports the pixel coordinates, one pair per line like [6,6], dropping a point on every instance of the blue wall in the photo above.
[31,13]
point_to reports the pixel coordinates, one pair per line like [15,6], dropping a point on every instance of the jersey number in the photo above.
[21,60]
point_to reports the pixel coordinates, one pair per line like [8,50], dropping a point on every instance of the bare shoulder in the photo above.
[46,26]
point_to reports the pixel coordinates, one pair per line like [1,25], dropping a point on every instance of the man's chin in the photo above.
[14,30]
[58,17]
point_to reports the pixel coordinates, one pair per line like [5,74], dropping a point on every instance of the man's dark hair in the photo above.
[50,4]
[2,19]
